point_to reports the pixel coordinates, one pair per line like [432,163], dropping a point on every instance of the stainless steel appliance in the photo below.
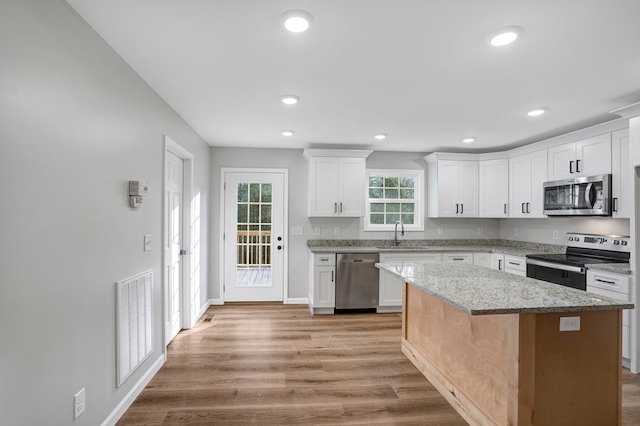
[357,281]
[569,268]
[586,196]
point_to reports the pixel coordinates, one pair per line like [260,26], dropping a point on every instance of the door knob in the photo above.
[279,247]
[183,252]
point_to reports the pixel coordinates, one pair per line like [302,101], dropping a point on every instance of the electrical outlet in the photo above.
[515,232]
[78,404]
[317,230]
[336,230]
[440,230]
[297,230]
[569,323]
[555,235]
[480,231]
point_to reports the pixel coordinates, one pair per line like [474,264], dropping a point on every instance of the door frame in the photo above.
[285,225]
[186,316]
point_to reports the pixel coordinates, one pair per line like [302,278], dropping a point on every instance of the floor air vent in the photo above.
[135,323]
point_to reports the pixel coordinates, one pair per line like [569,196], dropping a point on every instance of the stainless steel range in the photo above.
[569,269]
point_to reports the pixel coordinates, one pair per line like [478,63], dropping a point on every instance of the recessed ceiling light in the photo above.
[287,133]
[504,36]
[297,21]
[536,112]
[290,99]
[380,136]
[468,140]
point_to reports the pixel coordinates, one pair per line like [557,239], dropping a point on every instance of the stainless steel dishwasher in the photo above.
[357,285]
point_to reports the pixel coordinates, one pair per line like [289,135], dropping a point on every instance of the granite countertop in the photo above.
[482,291]
[616,268]
[515,248]
[424,249]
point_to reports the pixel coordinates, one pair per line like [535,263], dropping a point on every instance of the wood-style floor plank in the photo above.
[274,364]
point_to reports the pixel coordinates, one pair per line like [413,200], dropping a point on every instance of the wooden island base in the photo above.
[517,369]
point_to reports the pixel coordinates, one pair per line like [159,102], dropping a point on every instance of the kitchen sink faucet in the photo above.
[395,233]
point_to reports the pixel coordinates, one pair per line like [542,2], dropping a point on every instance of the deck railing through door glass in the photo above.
[254,225]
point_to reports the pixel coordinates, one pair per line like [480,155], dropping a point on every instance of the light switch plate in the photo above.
[297,230]
[147,242]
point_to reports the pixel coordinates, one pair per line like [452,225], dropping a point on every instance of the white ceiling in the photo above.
[418,70]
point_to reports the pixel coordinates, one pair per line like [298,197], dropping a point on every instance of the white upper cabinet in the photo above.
[452,187]
[494,188]
[337,184]
[587,157]
[622,174]
[527,173]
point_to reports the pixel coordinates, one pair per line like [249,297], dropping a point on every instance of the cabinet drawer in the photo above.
[515,263]
[458,257]
[617,283]
[324,259]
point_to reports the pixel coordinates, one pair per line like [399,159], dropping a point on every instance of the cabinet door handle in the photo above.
[461,208]
[335,207]
[457,209]
[577,166]
[457,258]
[505,208]
[528,210]
[514,263]
[499,264]
[605,281]
[571,166]
[523,208]
[340,206]
[615,204]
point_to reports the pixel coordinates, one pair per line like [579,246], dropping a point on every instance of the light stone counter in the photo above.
[616,268]
[481,291]
[515,248]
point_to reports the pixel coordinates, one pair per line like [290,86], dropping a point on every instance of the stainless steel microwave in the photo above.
[586,196]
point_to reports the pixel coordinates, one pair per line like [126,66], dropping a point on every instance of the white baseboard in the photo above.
[203,309]
[297,301]
[216,302]
[126,402]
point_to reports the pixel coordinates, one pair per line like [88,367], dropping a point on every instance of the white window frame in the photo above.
[418,175]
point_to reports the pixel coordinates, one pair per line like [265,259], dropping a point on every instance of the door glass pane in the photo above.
[253,246]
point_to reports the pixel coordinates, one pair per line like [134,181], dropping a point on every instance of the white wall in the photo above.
[350,228]
[76,123]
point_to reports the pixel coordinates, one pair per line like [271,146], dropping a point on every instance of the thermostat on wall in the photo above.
[138,188]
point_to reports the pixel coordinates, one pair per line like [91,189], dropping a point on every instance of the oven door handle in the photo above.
[559,266]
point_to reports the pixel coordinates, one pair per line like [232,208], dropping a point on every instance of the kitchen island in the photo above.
[492,344]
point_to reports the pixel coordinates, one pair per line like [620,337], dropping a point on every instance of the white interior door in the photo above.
[173,243]
[254,236]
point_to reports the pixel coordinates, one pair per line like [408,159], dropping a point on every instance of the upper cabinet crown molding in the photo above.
[344,153]
[629,111]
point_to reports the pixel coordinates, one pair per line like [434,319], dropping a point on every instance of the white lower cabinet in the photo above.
[515,265]
[482,259]
[390,298]
[322,293]
[497,261]
[458,257]
[616,286]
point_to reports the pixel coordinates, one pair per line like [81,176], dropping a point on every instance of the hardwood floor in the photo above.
[273,364]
